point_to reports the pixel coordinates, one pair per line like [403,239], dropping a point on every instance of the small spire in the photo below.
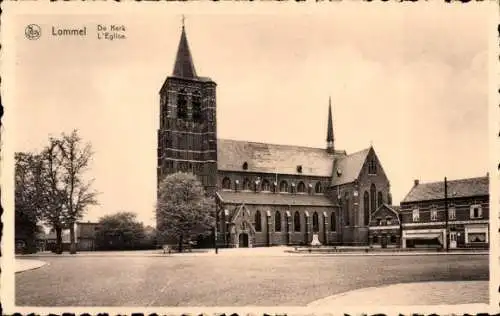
[183,19]
[329,133]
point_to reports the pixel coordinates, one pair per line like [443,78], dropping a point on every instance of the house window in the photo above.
[258,222]
[379,221]
[318,188]
[452,213]
[266,186]
[283,186]
[416,215]
[434,214]
[373,197]
[372,166]
[476,211]
[301,188]
[477,237]
[246,184]
[333,222]
[197,114]
[277,221]
[182,105]
[388,220]
[380,199]
[226,183]
[366,208]
[296,222]
[315,222]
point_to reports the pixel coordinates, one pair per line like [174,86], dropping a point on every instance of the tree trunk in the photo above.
[58,249]
[72,246]
[180,243]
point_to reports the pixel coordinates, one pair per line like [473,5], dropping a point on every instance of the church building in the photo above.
[266,194]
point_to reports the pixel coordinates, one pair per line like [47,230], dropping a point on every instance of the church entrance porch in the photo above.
[243,240]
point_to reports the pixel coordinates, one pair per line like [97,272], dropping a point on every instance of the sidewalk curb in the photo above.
[38,265]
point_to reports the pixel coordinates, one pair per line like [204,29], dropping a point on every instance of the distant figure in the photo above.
[166,248]
[315,242]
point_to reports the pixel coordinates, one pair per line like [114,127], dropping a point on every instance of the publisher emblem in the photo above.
[33,32]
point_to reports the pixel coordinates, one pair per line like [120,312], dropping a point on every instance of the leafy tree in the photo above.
[183,209]
[27,213]
[120,231]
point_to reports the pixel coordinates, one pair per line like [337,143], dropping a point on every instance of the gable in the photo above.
[243,218]
[383,212]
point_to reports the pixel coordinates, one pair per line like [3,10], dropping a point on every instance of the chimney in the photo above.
[416,182]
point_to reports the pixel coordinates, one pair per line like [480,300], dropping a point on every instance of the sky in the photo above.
[412,82]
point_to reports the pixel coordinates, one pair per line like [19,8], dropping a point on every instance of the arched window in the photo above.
[366,208]
[182,105]
[258,222]
[226,183]
[318,188]
[283,186]
[315,222]
[380,199]
[373,197]
[333,222]
[266,186]
[277,221]
[347,216]
[246,184]
[301,188]
[197,114]
[372,166]
[296,222]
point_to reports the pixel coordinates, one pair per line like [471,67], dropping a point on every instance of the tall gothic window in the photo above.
[318,188]
[226,183]
[246,184]
[296,222]
[373,197]
[258,222]
[277,221]
[266,186]
[283,186]
[315,222]
[182,105]
[197,114]
[380,199]
[372,166]
[346,208]
[366,208]
[333,222]
[301,188]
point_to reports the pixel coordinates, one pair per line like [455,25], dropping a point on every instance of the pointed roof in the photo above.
[347,169]
[184,66]
[329,132]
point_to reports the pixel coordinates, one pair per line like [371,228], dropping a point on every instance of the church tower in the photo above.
[330,145]
[187,137]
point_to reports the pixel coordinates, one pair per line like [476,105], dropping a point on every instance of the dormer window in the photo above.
[245,166]
[299,168]
[372,167]
[388,220]
[339,172]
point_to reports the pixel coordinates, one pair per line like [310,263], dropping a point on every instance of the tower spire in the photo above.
[184,66]
[329,133]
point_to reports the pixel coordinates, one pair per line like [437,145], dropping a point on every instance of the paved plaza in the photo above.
[251,277]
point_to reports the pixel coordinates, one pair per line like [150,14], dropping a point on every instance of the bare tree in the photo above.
[78,192]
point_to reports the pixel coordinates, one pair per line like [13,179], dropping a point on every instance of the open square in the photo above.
[239,279]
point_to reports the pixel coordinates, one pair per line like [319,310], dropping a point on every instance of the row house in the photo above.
[459,220]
